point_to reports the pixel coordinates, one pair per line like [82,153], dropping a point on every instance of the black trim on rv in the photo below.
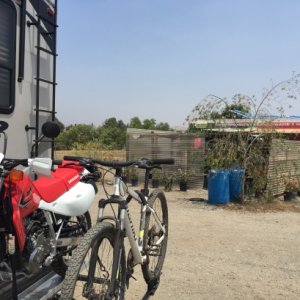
[8,26]
[22,41]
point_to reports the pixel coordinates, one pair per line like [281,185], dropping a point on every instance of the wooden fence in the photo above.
[284,163]
[186,149]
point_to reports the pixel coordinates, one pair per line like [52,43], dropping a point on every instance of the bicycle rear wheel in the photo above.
[155,236]
[89,272]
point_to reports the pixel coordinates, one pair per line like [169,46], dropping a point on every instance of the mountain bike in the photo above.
[99,268]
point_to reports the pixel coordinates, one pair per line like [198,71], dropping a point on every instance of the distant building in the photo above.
[280,125]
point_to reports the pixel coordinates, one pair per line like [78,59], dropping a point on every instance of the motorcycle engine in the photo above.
[38,242]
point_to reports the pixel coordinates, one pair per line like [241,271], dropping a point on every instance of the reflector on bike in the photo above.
[16,175]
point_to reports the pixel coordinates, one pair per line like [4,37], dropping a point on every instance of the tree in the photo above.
[135,122]
[214,107]
[229,111]
[110,123]
[162,126]
[112,135]
[122,125]
[149,124]
[112,138]
[76,134]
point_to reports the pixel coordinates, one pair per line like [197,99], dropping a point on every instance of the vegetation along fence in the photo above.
[186,149]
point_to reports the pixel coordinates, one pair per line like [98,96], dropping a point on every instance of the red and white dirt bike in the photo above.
[43,210]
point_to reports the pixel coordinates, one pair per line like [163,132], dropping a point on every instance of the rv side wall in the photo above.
[20,141]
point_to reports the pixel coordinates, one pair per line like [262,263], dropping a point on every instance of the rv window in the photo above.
[7,56]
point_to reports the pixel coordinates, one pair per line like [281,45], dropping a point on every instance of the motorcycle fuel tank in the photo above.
[74,202]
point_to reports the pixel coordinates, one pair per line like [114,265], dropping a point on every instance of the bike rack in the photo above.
[45,288]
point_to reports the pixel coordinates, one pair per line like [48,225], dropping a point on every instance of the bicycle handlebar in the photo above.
[162,161]
[141,163]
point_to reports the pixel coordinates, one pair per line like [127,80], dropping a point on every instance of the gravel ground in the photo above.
[217,253]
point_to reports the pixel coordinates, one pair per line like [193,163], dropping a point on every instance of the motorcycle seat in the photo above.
[50,188]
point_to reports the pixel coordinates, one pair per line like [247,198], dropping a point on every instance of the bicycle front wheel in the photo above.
[90,270]
[60,264]
[155,235]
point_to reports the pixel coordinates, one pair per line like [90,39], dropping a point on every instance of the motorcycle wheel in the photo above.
[60,264]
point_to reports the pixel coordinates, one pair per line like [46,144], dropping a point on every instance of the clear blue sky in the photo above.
[159,58]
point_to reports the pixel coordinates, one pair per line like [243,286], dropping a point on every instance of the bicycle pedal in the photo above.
[128,276]
[131,276]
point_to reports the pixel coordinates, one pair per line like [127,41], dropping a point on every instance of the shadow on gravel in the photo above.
[202,203]
[198,200]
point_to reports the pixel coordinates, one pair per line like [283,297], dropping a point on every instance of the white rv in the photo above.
[27,73]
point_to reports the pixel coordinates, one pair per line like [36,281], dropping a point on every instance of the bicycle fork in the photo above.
[117,256]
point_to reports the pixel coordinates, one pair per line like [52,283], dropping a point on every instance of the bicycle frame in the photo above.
[124,221]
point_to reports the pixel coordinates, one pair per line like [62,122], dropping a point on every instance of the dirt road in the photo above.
[215,253]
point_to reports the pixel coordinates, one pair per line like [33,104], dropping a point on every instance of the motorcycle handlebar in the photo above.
[23,162]
[74,158]
[10,163]
[56,162]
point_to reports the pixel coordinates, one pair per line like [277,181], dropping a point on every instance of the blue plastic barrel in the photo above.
[218,187]
[236,184]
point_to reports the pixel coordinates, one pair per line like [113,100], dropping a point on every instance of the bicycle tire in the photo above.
[60,264]
[73,286]
[155,255]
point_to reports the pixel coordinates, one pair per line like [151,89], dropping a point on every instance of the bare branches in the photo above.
[285,91]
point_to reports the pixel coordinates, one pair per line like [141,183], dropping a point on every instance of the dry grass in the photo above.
[100,154]
[263,206]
